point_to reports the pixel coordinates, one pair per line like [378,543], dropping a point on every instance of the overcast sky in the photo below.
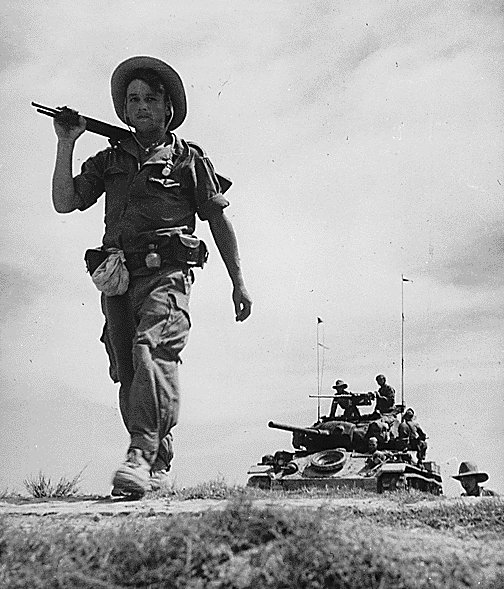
[364,140]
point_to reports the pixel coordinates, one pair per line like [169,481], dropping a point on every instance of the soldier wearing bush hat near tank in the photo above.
[350,411]
[470,478]
[156,185]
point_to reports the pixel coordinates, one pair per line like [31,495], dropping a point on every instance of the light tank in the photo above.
[353,450]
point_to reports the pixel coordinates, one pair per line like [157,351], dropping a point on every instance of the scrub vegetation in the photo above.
[218,489]
[41,486]
[417,544]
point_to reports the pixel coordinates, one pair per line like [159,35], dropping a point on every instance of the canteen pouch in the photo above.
[93,258]
[189,250]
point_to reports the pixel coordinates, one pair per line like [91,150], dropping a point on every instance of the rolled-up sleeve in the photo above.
[208,192]
[89,184]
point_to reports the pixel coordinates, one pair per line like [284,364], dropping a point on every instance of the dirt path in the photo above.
[105,506]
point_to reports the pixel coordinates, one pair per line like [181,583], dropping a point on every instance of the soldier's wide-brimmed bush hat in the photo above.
[122,76]
[340,384]
[469,469]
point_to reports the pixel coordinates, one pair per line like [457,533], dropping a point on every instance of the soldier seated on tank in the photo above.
[376,457]
[411,436]
[372,445]
[385,397]
[350,411]
[379,429]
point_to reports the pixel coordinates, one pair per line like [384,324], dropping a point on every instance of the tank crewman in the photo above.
[377,456]
[469,477]
[385,396]
[350,411]
[380,429]
[411,435]
[372,445]
[155,185]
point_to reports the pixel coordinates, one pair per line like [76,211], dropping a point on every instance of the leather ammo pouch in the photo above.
[188,249]
[93,258]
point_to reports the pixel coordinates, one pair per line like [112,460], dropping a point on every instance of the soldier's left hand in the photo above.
[242,303]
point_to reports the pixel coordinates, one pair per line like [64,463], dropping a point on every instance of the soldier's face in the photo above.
[146,110]
[470,484]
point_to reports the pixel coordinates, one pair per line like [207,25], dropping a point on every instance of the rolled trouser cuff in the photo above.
[147,449]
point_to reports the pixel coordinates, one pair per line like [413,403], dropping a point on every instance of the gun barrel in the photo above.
[310,431]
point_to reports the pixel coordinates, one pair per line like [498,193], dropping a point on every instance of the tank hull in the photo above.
[341,469]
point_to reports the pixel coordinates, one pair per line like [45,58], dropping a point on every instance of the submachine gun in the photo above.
[70,118]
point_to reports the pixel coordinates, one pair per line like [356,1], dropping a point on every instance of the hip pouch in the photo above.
[188,249]
[111,275]
[93,258]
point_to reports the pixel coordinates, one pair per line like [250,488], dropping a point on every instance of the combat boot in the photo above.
[133,476]
[160,479]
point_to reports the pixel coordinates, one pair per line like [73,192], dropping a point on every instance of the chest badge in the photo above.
[153,259]
[166,171]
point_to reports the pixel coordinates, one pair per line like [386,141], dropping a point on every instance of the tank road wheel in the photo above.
[259,482]
[394,482]
[328,460]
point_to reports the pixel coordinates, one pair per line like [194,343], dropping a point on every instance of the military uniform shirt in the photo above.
[387,404]
[176,183]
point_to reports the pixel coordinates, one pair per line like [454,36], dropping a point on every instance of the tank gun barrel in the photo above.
[309,431]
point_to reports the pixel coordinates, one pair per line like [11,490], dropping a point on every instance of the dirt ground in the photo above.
[106,506]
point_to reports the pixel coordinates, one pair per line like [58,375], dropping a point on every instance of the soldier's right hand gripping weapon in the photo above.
[70,118]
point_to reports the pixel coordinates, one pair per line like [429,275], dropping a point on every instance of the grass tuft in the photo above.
[41,486]
[213,489]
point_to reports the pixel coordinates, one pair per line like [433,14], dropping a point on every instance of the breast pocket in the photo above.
[116,179]
[163,188]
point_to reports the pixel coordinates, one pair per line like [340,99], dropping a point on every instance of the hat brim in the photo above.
[122,76]
[481,477]
[341,386]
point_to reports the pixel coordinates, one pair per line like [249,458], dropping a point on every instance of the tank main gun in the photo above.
[309,431]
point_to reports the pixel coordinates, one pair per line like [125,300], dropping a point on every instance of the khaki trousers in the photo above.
[145,331]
